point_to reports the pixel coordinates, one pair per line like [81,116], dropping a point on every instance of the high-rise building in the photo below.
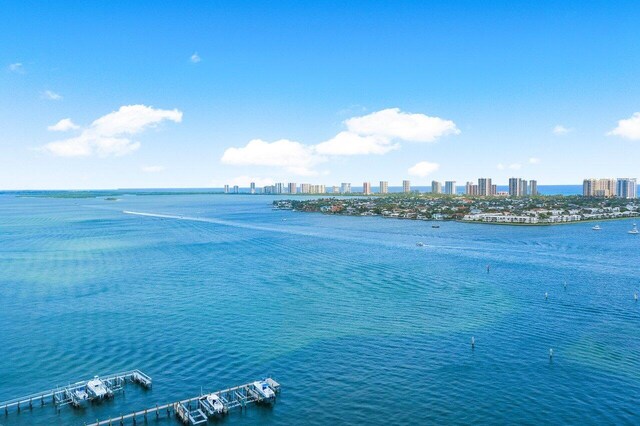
[236,189]
[436,187]
[485,187]
[279,188]
[450,187]
[627,188]
[305,188]
[517,187]
[293,188]
[599,187]
[533,188]
[589,187]
[252,187]
[406,186]
[471,188]
[226,189]
[335,189]
[606,188]
[366,188]
[384,187]
[345,188]
[513,187]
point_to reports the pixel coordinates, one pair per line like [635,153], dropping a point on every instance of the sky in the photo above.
[190,94]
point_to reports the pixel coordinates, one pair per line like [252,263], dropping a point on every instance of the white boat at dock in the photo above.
[97,389]
[212,404]
[264,390]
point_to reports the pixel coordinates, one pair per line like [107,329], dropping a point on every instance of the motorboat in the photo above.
[420,244]
[596,228]
[213,404]
[435,226]
[634,230]
[264,390]
[97,389]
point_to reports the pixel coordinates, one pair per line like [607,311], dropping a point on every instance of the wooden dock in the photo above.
[197,411]
[75,394]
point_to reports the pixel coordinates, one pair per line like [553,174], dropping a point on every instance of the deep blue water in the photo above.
[358,324]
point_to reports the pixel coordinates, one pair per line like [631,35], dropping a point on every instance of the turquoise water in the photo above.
[356,322]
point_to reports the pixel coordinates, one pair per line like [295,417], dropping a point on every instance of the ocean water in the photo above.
[358,324]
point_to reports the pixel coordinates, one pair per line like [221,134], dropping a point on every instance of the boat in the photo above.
[596,228]
[97,389]
[420,244]
[634,230]
[213,404]
[264,390]
[435,226]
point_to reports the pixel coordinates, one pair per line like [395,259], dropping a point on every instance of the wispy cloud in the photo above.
[423,169]
[17,68]
[628,128]
[244,182]
[63,125]
[559,129]
[152,169]
[109,134]
[515,166]
[51,95]
[534,160]
[376,133]
[291,155]
[195,58]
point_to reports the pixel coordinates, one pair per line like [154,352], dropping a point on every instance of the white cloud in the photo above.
[395,124]
[347,143]
[52,96]
[515,166]
[17,68]
[500,166]
[108,135]
[534,160]
[195,58]
[152,169]
[63,125]
[245,182]
[375,133]
[293,156]
[423,169]
[628,128]
[559,129]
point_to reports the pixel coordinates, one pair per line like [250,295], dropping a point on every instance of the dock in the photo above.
[79,393]
[199,409]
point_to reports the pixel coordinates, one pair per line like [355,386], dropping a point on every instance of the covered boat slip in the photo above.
[79,393]
[197,410]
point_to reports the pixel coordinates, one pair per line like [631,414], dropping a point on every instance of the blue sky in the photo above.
[448,90]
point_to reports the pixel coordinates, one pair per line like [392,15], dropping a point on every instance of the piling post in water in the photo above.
[550,354]
[473,343]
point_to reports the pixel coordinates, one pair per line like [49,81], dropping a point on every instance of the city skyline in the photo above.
[212,101]
[623,187]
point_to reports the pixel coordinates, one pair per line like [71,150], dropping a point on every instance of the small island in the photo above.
[532,210]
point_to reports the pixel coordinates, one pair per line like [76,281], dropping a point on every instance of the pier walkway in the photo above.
[197,410]
[79,393]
